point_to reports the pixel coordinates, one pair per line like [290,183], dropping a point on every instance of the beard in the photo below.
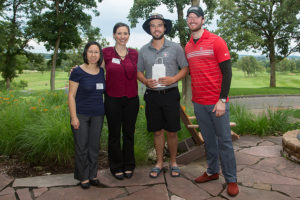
[198,28]
[158,37]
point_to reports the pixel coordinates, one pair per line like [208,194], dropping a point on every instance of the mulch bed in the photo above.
[16,168]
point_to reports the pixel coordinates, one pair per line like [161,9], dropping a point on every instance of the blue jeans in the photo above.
[217,140]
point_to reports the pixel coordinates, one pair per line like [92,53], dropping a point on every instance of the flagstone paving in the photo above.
[262,174]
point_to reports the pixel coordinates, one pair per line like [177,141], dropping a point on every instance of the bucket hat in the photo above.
[167,23]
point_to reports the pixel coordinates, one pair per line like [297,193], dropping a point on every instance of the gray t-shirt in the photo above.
[172,55]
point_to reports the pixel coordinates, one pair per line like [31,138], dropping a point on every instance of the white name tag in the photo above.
[99,86]
[116,60]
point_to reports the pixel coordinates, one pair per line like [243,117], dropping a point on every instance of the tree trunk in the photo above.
[195,2]
[57,43]
[273,65]
[186,81]
[8,66]
[181,24]
[272,73]
[187,90]
[7,83]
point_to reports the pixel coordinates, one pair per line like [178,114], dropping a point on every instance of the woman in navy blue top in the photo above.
[86,87]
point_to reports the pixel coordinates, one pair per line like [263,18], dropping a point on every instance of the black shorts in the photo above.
[163,110]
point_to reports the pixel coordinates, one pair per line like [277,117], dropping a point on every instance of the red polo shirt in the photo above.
[121,77]
[204,58]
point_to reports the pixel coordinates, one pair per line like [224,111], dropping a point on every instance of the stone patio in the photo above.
[262,174]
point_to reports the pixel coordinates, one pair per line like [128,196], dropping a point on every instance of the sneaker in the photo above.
[232,189]
[205,178]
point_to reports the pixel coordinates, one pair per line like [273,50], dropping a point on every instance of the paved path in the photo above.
[263,102]
[262,174]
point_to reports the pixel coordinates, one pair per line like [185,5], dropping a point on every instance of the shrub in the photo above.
[49,140]
[36,128]
[20,85]
[271,122]
[14,117]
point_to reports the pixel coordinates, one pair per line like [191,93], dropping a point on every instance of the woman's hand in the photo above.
[75,123]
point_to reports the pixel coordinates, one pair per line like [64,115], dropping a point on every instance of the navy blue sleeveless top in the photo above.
[89,96]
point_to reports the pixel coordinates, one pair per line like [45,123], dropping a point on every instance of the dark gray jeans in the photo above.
[87,144]
[217,138]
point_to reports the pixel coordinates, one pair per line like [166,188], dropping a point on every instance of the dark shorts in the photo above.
[163,110]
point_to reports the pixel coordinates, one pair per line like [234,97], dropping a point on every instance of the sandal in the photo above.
[156,170]
[174,169]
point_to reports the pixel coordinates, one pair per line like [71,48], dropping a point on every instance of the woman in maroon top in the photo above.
[121,102]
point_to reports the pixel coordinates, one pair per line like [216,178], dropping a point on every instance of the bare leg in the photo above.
[159,142]
[172,145]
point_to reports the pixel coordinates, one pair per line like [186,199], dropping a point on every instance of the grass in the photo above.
[295,113]
[287,83]
[271,122]
[36,127]
[34,124]
[41,81]
[262,80]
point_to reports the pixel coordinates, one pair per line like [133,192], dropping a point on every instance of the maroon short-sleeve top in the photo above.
[121,75]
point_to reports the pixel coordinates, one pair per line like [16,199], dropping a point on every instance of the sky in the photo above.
[112,12]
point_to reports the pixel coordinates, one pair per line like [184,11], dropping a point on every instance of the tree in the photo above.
[61,25]
[14,34]
[270,26]
[142,9]
[297,61]
[36,62]
[249,65]
[287,65]
[74,56]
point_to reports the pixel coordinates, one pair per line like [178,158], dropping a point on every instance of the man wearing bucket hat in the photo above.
[210,69]
[158,68]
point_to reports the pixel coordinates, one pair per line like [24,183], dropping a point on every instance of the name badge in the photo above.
[116,60]
[99,86]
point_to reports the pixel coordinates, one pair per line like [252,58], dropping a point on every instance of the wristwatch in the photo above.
[223,100]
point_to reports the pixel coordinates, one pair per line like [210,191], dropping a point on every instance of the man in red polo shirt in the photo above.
[210,69]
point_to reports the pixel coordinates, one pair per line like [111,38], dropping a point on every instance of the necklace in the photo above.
[122,57]
[123,64]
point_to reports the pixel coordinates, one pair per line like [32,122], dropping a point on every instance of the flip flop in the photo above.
[174,169]
[156,170]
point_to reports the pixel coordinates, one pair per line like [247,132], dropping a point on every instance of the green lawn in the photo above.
[262,80]
[41,81]
[287,83]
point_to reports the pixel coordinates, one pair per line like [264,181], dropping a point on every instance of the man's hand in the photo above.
[72,69]
[151,83]
[165,81]
[219,108]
